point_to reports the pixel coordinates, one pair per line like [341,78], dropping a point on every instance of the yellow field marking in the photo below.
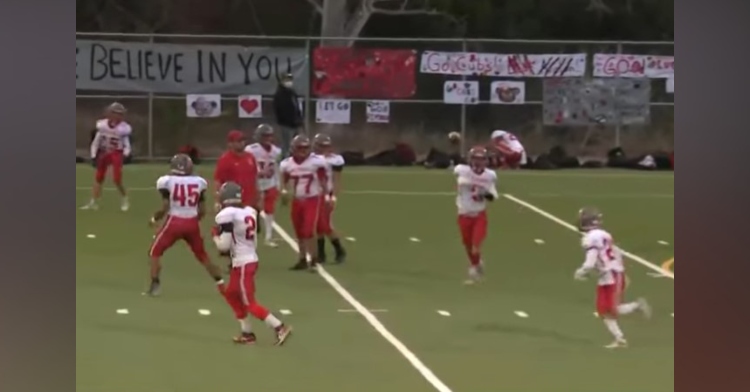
[668,266]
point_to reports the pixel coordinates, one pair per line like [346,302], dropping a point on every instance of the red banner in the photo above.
[359,73]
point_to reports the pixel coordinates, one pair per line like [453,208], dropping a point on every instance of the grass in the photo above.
[164,345]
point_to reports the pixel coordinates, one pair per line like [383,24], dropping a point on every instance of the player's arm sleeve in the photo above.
[592,255]
[338,165]
[223,236]
[162,185]
[492,194]
[322,174]
[95,144]
[284,174]
[126,147]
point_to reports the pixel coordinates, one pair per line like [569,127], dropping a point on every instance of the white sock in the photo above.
[614,328]
[269,226]
[628,308]
[273,322]
[245,326]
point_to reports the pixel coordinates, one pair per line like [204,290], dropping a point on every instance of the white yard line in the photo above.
[371,319]
[636,258]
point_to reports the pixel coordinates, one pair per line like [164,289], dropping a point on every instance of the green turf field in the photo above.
[164,345]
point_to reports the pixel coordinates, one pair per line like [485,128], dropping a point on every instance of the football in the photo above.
[454,137]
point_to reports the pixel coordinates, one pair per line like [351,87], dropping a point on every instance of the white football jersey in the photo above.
[244,221]
[510,140]
[185,193]
[111,137]
[305,176]
[268,165]
[335,162]
[608,256]
[471,186]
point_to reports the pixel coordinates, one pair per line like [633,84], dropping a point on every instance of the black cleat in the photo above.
[341,257]
[300,266]
[154,289]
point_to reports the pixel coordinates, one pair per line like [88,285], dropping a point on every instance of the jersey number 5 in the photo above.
[186,195]
[251,228]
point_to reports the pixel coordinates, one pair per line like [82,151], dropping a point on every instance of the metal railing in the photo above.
[162,126]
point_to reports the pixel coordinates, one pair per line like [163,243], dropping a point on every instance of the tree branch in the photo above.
[316,5]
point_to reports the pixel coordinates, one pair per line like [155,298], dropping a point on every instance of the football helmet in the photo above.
[589,218]
[181,165]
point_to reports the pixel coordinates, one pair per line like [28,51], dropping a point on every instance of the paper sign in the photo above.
[333,111]
[633,66]
[250,106]
[378,112]
[504,65]
[670,85]
[203,106]
[508,93]
[461,93]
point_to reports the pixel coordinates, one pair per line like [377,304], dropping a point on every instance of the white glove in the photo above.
[581,274]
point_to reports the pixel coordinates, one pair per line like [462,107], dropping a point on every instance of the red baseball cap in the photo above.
[235,136]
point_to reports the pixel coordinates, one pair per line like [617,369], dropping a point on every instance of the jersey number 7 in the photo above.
[309,178]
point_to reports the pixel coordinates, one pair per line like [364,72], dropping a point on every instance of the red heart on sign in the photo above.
[249,105]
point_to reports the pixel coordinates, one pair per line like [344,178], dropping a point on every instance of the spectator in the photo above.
[287,110]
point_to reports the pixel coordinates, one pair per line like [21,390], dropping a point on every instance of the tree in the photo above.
[348,18]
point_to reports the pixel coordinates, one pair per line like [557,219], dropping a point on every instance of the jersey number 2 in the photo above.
[251,228]
[186,195]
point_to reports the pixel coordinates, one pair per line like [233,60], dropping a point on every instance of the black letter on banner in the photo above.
[99,59]
[148,64]
[217,67]
[200,66]
[114,63]
[246,66]
[131,68]
[178,67]
[264,68]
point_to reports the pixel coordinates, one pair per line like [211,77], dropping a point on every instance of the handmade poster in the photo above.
[333,111]
[461,92]
[250,106]
[378,112]
[504,92]
[203,105]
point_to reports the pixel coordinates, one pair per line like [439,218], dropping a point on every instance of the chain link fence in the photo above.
[161,125]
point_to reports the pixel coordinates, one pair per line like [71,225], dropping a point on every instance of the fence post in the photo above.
[151,117]
[308,93]
[618,127]
[465,49]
